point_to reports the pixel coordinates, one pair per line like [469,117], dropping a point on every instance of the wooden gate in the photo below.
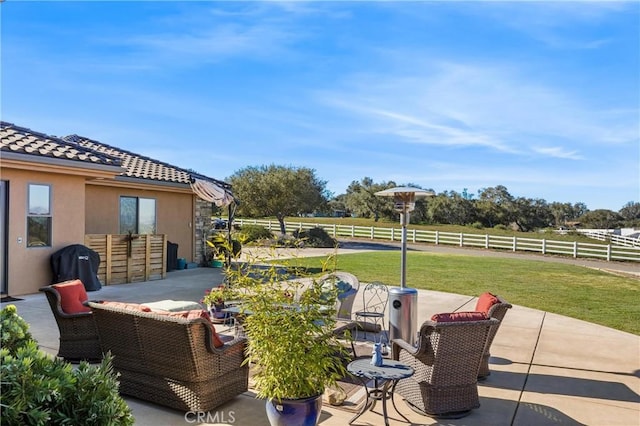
[129,258]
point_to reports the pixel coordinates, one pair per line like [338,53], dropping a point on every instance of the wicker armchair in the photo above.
[171,361]
[446,363]
[496,311]
[78,333]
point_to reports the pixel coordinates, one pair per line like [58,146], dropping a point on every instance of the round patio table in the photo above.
[384,375]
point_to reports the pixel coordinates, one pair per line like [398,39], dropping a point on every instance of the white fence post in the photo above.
[575,249]
[437,237]
[461,239]
[486,241]
[544,246]
[608,252]
[353,231]
[515,243]
[413,235]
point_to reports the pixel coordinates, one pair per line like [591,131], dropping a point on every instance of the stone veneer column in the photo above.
[203,213]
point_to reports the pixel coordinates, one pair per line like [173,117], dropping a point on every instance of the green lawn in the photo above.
[574,291]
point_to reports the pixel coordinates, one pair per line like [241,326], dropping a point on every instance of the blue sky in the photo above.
[541,97]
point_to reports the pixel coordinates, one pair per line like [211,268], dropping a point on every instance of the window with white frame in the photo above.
[39,218]
[137,215]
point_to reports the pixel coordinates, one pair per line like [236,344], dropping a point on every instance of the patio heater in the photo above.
[403,300]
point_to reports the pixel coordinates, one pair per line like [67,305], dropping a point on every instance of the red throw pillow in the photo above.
[72,294]
[197,313]
[459,316]
[127,305]
[485,302]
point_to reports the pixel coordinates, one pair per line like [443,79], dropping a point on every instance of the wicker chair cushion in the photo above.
[486,301]
[459,316]
[72,294]
[127,305]
[197,313]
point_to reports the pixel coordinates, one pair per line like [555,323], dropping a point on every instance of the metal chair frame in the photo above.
[375,298]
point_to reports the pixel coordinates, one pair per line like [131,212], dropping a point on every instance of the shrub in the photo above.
[315,237]
[15,330]
[252,233]
[477,225]
[37,389]
[501,227]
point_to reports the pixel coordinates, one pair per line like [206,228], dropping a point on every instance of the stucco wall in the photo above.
[175,214]
[29,267]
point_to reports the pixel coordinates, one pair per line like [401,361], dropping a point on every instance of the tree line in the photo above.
[283,191]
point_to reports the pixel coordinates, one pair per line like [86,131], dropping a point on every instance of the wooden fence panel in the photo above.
[129,258]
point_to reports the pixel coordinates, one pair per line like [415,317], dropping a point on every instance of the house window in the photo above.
[137,215]
[39,216]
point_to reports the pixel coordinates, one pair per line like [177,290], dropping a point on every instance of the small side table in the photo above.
[388,373]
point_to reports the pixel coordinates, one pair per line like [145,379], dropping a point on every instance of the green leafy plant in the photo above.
[219,247]
[290,342]
[38,389]
[15,330]
[215,296]
[253,233]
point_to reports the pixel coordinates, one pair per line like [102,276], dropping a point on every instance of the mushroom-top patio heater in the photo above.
[403,314]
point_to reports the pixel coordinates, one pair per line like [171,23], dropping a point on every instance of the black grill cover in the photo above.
[76,262]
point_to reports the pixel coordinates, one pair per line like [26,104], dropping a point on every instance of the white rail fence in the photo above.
[568,248]
[619,240]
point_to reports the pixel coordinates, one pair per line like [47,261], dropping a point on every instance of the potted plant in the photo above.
[219,248]
[214,301]
[291,347]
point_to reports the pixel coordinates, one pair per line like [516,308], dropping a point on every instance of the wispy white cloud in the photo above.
[558,152]
[497,106]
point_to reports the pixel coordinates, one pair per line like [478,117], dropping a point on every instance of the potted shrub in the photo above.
[294,353]
[219,248]
[214,301]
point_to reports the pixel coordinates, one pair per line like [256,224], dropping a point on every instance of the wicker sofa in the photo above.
[446,363]
[170,360]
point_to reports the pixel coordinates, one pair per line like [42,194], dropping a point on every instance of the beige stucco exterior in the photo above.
[28,268]
[82,204]
[174,212]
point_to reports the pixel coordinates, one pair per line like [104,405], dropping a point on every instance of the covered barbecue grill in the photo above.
[76,262]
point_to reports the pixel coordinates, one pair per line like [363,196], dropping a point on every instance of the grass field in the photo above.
[569,290]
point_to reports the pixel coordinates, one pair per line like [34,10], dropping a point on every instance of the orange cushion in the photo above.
[485,302]
[72,294]
[459,316]
[194,314]
[127,305]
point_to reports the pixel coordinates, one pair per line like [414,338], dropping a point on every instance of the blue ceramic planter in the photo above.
[295,412]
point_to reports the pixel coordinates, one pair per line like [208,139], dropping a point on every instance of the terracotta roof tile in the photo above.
[21,140]
[77,148]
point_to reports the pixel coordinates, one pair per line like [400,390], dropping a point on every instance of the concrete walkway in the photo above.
[546,369]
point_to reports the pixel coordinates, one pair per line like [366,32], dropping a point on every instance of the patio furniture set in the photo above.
[177,359]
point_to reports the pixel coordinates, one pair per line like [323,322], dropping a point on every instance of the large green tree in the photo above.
[495,206]
[361,199]
[631,213]
[601,219]
[278,191]
[451,207]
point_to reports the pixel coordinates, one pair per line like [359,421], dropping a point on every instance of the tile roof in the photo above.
[78,148]
[20,140]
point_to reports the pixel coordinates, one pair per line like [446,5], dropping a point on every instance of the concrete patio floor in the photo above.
[546,369]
